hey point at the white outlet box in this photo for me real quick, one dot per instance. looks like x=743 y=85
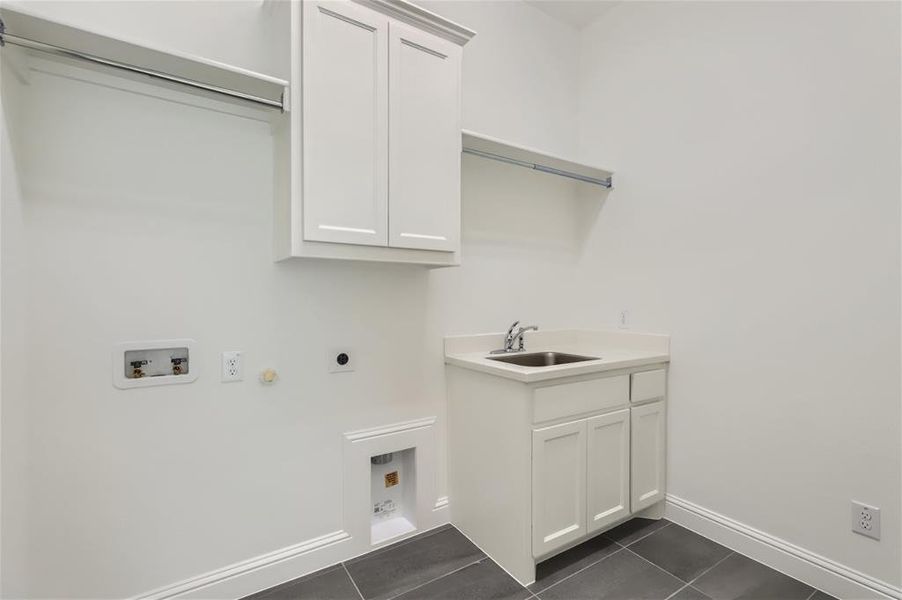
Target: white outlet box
x=231 y=366
x=866 y=520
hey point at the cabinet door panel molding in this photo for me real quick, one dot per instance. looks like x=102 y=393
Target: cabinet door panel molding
x=647 y=455
x=559 y=486
x=368 y=154
x=608 y=468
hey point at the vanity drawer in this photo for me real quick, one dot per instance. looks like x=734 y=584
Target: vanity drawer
x=648 y=385
x=579 y=397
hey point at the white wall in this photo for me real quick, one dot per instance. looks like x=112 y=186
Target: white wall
x=756 y=219
x=520 y=75
x=130 y=490
x=245 y=33
x=13 y=407
x=756 y=209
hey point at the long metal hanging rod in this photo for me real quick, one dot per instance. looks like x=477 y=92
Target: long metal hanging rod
x=605 y=183
x=8 y=38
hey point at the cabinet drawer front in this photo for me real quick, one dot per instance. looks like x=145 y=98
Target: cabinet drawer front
x=648 y=385
x=580 y=397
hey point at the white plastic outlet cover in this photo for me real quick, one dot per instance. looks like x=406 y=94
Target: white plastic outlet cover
x=866 y=519
x=121 y=381
x=232 y=366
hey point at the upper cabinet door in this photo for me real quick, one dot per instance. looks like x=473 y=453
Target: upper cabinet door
x=608 y=479
x=558 y=486
x=345 y=123
x=424 y=142
x=648 y=454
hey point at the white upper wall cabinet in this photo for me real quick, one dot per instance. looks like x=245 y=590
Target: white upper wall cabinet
x=345 y=88
x=368 y=157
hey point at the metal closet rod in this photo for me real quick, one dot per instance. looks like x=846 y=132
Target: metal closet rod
x=8 y=38
x=605 y=183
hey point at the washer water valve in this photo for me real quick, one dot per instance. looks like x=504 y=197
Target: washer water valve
x=153 y=362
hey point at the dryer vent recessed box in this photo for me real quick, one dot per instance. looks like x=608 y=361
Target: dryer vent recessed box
x=156 y=362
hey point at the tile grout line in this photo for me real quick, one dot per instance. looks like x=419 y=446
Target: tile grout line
x=676 y=592
x=705 y=572
x=613 y=541
x=657 y=567
x=616 y=543
x=694 y=579
x=414 y=538
x=434 y=579
x=575 y=573
x=777 y=571
x=354 y=583
x=665 y=526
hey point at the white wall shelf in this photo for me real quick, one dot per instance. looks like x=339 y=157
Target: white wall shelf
x=479 y=144
x=22 y=28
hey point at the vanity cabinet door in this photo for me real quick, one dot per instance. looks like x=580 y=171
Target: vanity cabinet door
x=558 y=486
x=648 y=426
x=608 y=461
x=345 y=124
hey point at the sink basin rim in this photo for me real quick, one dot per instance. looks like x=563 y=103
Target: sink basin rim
x=541 y=359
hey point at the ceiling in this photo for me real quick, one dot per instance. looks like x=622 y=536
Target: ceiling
x=577 y=13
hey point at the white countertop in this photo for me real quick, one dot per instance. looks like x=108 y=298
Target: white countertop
x=615 y=349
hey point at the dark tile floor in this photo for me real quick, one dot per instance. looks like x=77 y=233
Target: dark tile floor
x=640 y=559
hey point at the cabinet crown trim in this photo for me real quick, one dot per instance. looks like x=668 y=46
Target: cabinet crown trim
x=422 y=19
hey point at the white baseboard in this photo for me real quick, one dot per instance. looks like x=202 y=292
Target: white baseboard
x=813 y=569
x=258 y=573
x=271 y=569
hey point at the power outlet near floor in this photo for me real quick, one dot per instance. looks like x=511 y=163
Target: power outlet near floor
x=866 y=520
x=231 y=366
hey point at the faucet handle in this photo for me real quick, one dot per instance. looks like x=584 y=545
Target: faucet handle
x=510 y=331
x=520 y=333
x=509 y=338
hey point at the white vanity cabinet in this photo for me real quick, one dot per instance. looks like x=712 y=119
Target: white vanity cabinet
x=535 y=468
x=368 y=157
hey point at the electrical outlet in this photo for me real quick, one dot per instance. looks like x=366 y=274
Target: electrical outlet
x=866 y=520
x=231 y=366
x=624 y=321
x=341 y=360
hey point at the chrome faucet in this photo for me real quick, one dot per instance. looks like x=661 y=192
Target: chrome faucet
x=520 y=333
x=512 y=337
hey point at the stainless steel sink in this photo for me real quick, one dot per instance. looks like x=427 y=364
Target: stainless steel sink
x=541 y=359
